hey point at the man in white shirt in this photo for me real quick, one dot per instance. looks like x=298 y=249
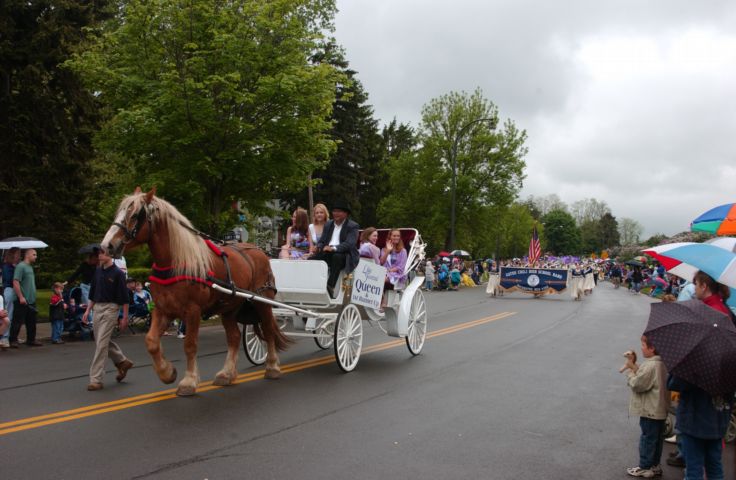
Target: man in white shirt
x=338 y=245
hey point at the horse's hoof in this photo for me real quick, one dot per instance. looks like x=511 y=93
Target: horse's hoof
x=272 y=374
x=172 y=378
x=186 y=390
x=222 y=380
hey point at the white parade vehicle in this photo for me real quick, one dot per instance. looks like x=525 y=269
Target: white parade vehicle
x=304 y=308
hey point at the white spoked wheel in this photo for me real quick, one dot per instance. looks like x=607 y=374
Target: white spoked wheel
x=348 y=338
x=255 y=348
x=417 y=323
x=325 y=334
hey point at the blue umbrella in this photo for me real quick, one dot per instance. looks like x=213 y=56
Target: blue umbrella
x=715 y=261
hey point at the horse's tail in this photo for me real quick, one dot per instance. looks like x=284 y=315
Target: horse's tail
x=268 y=328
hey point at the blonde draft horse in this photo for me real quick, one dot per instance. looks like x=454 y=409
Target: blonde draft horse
x=143 y=218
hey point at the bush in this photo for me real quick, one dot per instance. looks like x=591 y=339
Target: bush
x=139 y=273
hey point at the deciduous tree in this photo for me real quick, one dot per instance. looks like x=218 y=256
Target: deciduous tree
x=489 y=161
x=215 y=101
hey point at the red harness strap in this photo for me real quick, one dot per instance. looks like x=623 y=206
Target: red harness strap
x=165 y=276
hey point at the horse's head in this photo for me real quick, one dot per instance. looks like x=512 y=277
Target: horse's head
x=132 y=221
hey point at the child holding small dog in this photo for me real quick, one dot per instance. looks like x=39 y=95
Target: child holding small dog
x=650 y=401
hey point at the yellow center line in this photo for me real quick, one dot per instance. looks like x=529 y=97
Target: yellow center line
x=168 y=394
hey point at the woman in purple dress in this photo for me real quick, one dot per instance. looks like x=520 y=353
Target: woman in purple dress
x=393 y=257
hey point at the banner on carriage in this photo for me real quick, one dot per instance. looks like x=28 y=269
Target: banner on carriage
x=368 y=279
x=534 y=280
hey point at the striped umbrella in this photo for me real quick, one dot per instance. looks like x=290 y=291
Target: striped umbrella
x=715 y=261
x=718 y=221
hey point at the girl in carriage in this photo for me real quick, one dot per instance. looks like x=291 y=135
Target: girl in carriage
x=368 y=248
x=297 y=236
x=393 y=257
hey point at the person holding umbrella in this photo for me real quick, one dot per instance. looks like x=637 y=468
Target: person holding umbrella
x=697 y=341
x=711 y=292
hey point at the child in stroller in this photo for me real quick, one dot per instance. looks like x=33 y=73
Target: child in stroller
x=73 y=315
x=443 y=277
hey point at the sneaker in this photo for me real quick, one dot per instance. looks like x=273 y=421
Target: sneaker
x=657 y=469
x=94 y=386
x=58 y=342
x=180 y=335
x=14 y=345
x=672 y=439
x=640 y=472
x=35 y=344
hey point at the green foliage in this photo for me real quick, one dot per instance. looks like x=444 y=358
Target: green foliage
x=489 y=169
x=354 y=170
x=47 y=119
x=214 y=101
x=655 y=240
x=561 y=233
x=608 y=231
x=515 y=230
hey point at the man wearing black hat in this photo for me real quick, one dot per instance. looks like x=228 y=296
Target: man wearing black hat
x=338 y=245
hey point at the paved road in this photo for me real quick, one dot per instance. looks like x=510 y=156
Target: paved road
x=513 y=387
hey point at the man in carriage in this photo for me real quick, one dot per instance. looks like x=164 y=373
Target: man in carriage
x=338 y=245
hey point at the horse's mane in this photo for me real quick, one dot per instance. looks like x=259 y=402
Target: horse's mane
x=189 y=254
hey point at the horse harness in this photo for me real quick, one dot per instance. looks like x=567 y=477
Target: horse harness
x=165 y=275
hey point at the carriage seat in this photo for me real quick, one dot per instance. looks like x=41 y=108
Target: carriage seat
x=301 y=282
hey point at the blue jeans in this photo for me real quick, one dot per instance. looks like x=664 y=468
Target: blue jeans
x=8 y=298
x=57 y=326
x=428 y=284
x=702 y=454
x=650 y=442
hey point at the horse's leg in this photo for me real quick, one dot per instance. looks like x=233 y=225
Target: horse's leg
x=163 y=368
x=270 y=330
x=273 y=371
x=188 y=384
x=229 y=371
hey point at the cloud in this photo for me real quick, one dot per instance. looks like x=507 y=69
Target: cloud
x=629 y=102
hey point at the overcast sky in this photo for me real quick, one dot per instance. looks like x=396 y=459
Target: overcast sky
x=629 y=102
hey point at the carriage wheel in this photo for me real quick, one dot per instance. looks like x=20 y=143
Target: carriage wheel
x=417 y=323
x=348 y=338
x=255 y=348
x=325 y=334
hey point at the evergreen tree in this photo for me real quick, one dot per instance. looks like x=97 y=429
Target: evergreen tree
x=47 y=119
x=563 y=236
x=353 y=172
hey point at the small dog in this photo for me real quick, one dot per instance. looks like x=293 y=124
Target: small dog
x=630 y=355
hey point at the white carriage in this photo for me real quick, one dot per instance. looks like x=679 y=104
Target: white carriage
x=304 y=308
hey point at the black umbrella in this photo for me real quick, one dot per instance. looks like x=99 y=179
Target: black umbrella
x=634 y=263
x=90 y=248
x=696 y=342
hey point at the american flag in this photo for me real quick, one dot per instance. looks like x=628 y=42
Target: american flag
x=535 y=249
